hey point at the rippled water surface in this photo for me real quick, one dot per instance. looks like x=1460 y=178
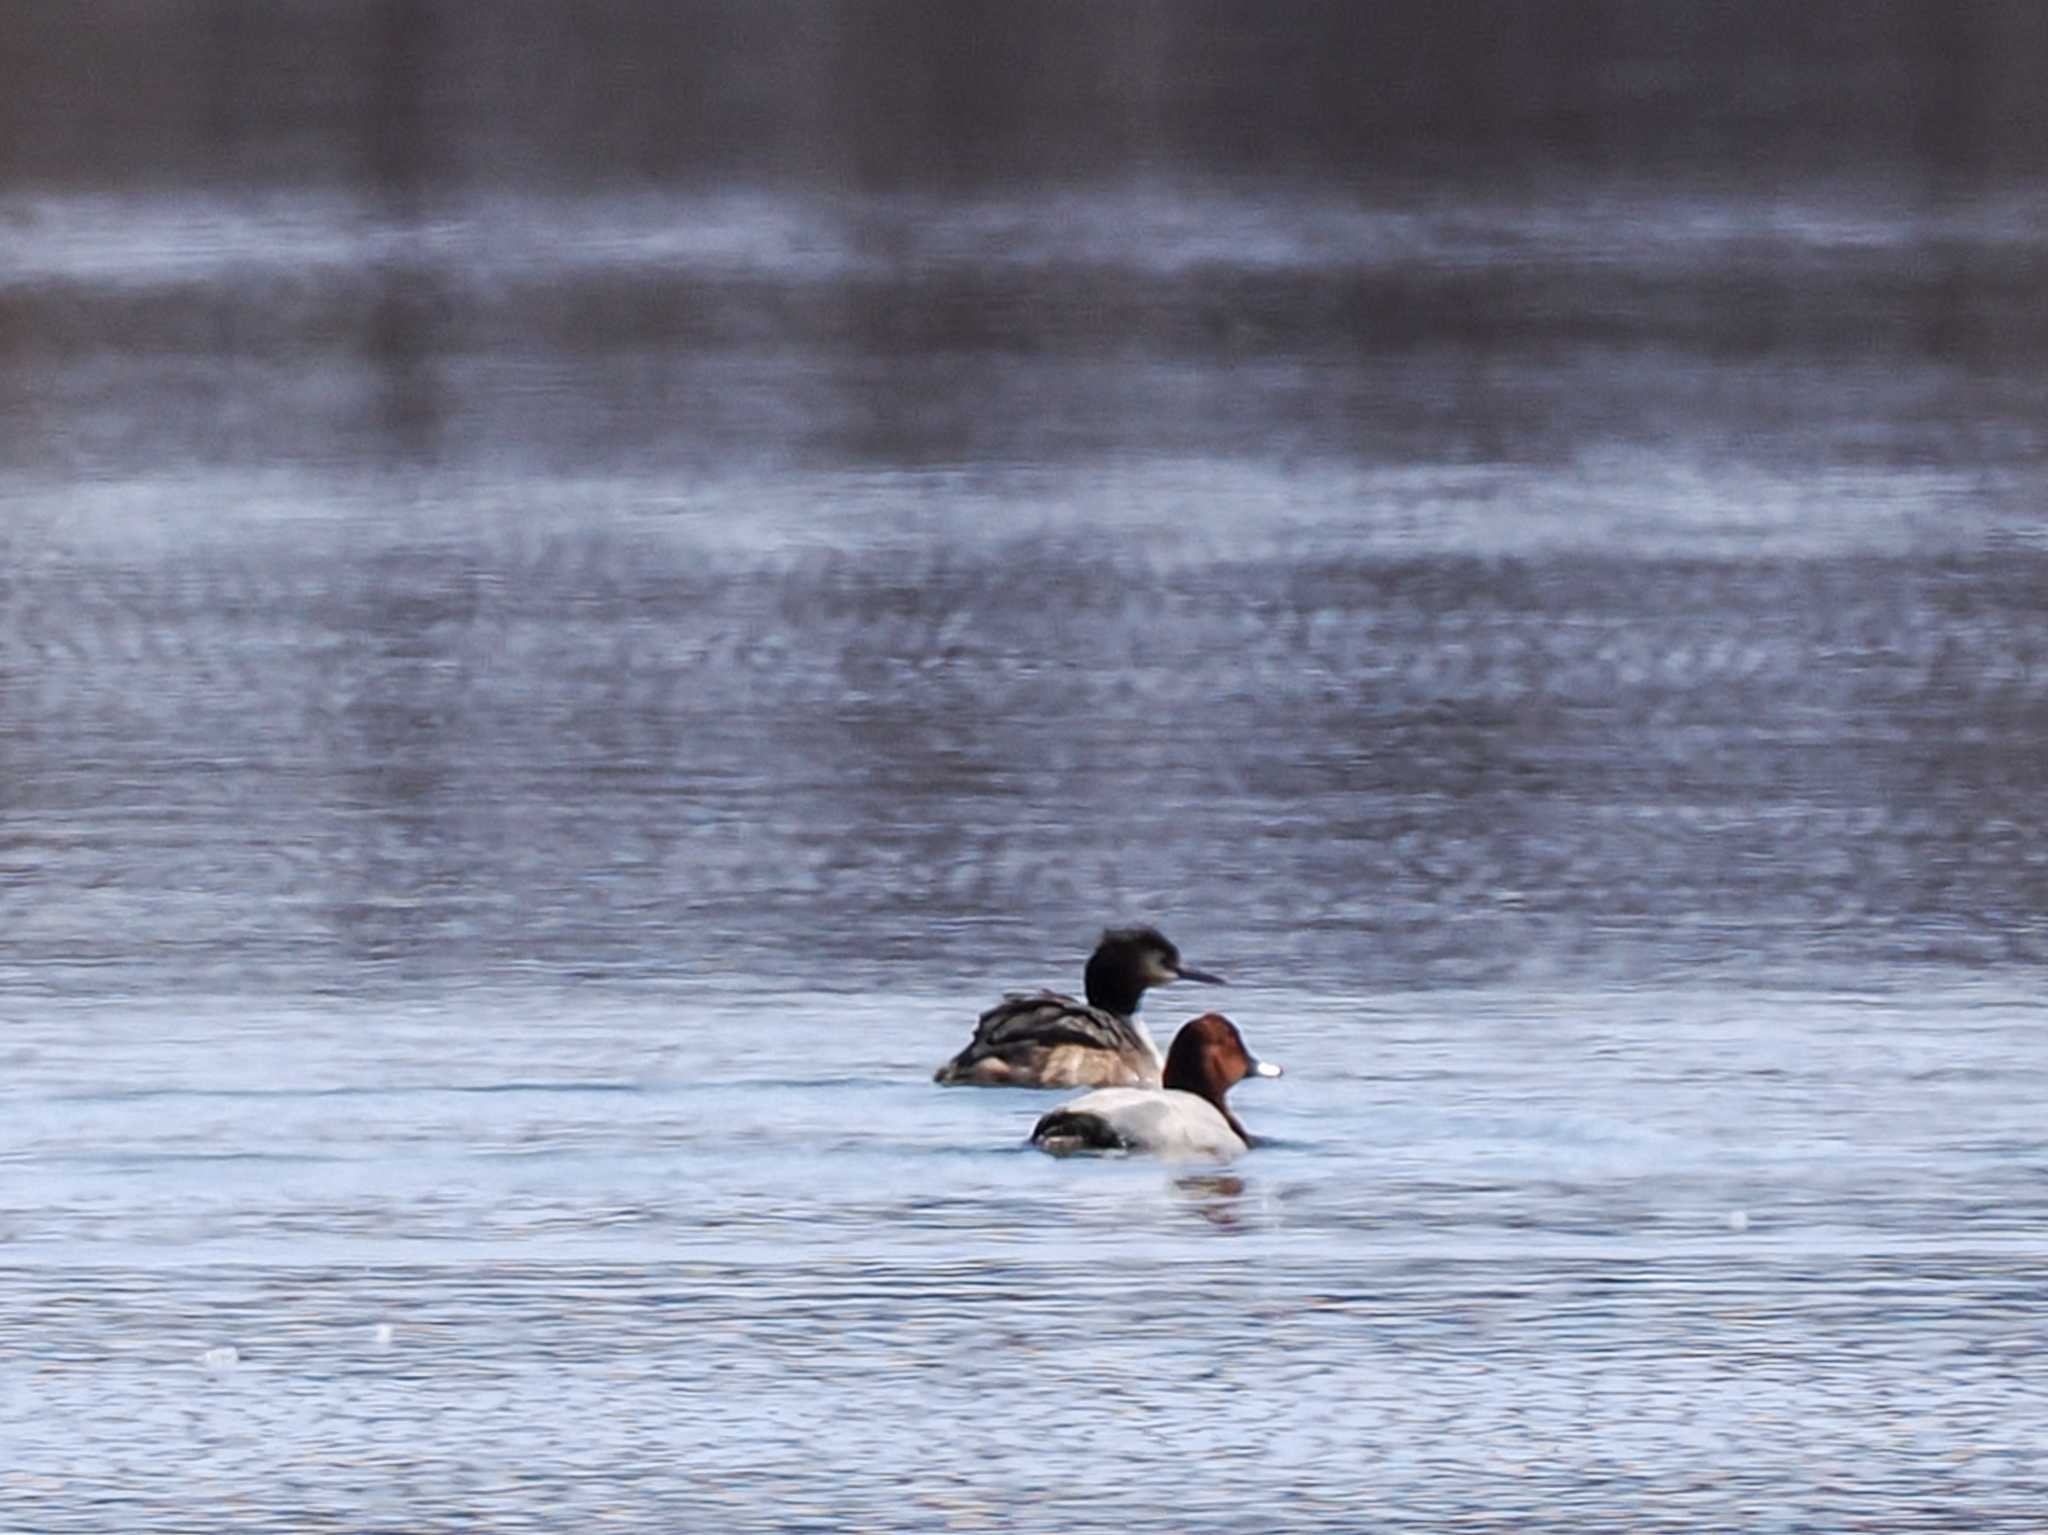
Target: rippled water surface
x=531 y=720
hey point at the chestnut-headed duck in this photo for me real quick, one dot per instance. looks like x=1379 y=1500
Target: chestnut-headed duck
x=1186 y=1118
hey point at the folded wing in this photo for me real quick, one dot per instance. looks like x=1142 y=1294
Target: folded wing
x=1046 y=1039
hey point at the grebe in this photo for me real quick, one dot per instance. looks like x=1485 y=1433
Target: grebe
x=1045 y=1039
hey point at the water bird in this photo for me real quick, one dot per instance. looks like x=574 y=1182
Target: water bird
x=1185 y=1118
x=1047 y=1039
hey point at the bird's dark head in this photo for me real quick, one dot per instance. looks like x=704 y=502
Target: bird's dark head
x=1129 y=959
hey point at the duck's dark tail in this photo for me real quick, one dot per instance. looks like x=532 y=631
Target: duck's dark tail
x=1064 y=1132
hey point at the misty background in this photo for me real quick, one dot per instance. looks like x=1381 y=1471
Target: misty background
x=1072 y=415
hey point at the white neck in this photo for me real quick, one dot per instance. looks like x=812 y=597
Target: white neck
x=1145 y=1035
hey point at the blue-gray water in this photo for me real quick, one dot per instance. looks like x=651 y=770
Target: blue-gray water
x=531 y=718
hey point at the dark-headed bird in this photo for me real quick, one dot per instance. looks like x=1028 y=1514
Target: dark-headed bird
x=1046 y=1039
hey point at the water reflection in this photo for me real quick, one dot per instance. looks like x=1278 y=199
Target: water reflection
x=401 y=154
x=1219 y=1198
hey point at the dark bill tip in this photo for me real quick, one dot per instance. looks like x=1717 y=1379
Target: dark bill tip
x=1190 y=973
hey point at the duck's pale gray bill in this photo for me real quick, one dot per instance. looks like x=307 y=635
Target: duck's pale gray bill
x=1190 y=973
x=1266 y=1069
